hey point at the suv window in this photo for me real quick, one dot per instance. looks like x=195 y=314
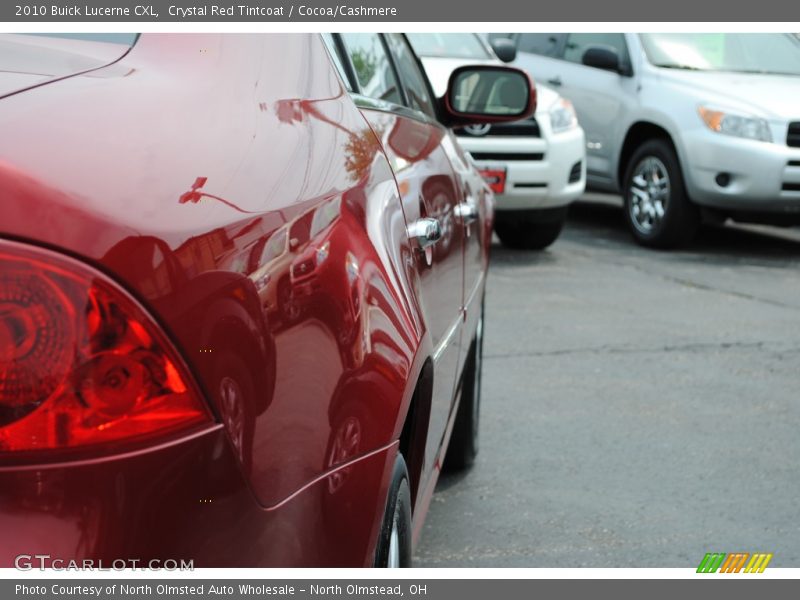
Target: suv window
x=325 y=215
x=372 y=67
x=413 y=80
x=275 y=246
x=546 y=44
x=577 y=43
x=300 y=230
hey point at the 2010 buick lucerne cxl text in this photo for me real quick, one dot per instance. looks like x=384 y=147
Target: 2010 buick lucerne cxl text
x=241 y=294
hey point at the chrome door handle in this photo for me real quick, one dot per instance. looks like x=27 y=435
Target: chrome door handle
x=555 y=81
x=467 y=212
x=425 y=232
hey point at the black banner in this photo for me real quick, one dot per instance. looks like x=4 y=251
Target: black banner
x=478 y=11
x=730 y=588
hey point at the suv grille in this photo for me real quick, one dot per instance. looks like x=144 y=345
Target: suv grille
x=793 y=138
x=527 y=127
x=508 y=155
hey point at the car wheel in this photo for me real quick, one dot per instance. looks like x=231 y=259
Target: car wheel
x=657 y=208
x=394 y=543
x=463 y=446
x=234 y=390
x=528 y=235
x=288 y=306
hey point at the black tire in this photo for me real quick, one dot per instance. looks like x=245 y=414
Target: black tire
x=463 y=447
x=397 y=517
x=671 y=219
x=528 y=235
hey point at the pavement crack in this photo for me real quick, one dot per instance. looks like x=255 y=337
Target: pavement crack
x=709 y=288
x=690 y=347
x=688 y=282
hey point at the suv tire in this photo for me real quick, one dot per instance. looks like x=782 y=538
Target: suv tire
x=527 y=234
x=658 y=211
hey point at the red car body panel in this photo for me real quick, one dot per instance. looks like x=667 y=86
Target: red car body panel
x=171 y=170
x=27 y=61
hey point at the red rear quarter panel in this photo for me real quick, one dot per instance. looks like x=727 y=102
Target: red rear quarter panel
x=170 y=170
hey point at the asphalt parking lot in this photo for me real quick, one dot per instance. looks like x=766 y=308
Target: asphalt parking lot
x=640 y=408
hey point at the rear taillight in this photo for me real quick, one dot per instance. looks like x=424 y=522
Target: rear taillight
x=80 y=362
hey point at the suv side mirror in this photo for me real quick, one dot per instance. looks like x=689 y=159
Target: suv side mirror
x=602 y=57
x=505 y=49
x=487 y=94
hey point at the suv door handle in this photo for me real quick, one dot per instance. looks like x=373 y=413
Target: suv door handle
x=425 y=232
x=555 y=81
x=467 y=212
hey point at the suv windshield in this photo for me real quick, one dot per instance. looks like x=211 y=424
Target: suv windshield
x=773 y=53
x=448 y=45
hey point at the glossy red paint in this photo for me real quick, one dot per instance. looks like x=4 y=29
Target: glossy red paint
x=27 y=61
x=259 y=218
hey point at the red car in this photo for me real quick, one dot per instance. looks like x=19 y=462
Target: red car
x=241 y=291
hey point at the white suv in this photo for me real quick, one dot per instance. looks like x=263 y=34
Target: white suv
x=683 y=125
x=536 y=167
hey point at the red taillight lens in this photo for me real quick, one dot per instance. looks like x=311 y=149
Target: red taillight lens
x=80 y=362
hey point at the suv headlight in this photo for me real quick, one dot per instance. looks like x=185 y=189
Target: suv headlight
x=751 y=128
x=562 y=116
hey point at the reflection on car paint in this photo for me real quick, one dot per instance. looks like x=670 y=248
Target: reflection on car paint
x=227 y=279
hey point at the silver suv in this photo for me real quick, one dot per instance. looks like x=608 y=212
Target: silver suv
x=684 y=125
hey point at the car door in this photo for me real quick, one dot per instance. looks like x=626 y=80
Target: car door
x=601 y=98
x=470 y=187
x=402 y=118
x=539 y=54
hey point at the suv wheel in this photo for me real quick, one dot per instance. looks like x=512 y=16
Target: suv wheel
x=526 y=234
x=657 y=208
